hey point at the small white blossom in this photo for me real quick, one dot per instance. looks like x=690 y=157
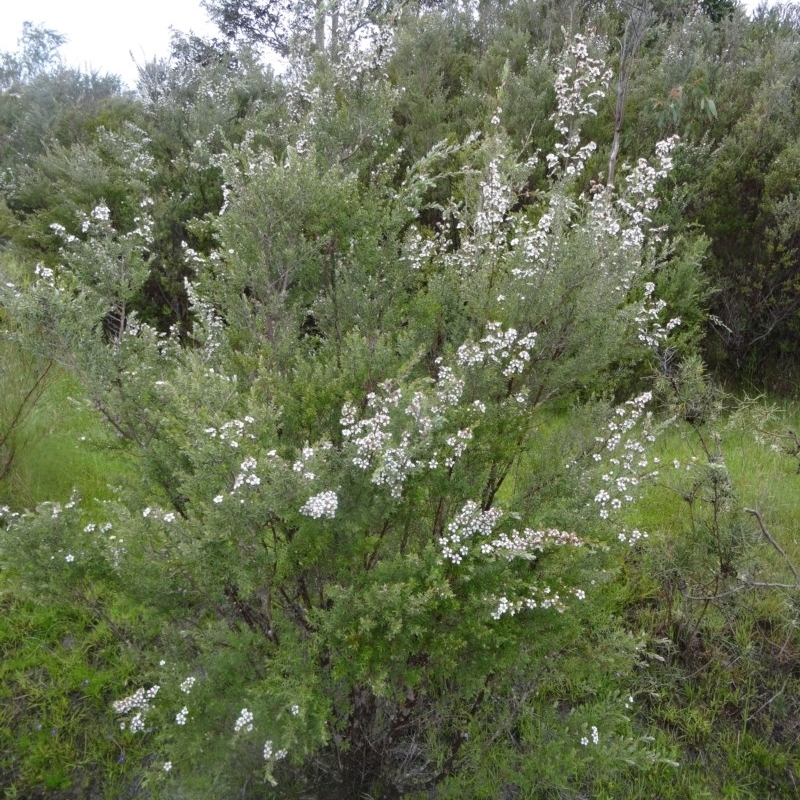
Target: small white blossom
x=244 y=722
x=322 y=505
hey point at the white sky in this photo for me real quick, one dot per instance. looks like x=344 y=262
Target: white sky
x=102 y=34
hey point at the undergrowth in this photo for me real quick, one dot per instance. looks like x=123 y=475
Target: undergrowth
x=717 y=684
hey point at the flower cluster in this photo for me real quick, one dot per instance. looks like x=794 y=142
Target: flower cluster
x=321 y=506
x=208 y=325
x=543 y=598
x=631 y=537
x=625 y=452
x=246 y=474
x=458 y=445
x=496 y=200
x=371 y=434
x=44 y=274
x=271 y=754
x=304 y=465
x=60 y=231
x=471 y=520
x=159 y=513
x=397 y=455
x=650 y=331
x=244 y=722
x=537 y=244
x=504 y=347
x=529 y=542
x=595 y=737
x=580 y=82
x=141 y=701
x=418 y=250
x=232 y=431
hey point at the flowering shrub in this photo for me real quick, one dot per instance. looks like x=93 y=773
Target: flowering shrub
x=328 y=520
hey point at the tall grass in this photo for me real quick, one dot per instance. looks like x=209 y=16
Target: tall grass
x=722 y=686
x=52 y=443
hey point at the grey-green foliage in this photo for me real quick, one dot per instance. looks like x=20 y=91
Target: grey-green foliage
x=37 y=53
x=42 y=101
x=329 y=521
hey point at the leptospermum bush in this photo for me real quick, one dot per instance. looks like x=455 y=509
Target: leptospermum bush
x=358 y=575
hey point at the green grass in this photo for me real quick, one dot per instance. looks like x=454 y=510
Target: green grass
x=59 y=444
x=61 y=661
x=724 y=691
x=61 y=668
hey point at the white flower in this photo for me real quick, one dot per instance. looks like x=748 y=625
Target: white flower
x=295 y=710
x=181 y=716
x=245 y=721
x=321 y=505
x=167 y=766
x=69 y=558
x=187 y=685
x=101 y=212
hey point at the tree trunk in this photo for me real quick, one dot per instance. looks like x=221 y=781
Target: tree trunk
x=634 y=32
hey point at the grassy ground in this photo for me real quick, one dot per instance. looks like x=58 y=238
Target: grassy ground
x=724 y=690
x=60 y=666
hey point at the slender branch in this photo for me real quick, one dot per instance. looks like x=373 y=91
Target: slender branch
x=757 y=514
x=26 y=404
